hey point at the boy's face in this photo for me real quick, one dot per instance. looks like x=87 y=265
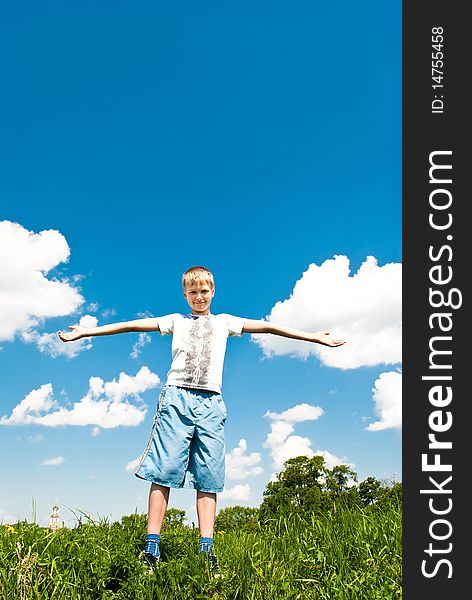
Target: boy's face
x=199 y=296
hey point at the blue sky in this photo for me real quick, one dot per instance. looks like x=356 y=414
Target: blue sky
x=256 y=139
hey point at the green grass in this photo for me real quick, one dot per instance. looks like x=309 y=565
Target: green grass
x=354 y=554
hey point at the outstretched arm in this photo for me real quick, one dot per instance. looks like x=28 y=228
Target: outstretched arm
x=77 y=331
x=320 y=337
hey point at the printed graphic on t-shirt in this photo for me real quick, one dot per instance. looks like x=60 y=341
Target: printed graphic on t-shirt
x=197 y=360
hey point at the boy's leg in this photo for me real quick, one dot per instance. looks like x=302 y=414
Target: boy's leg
x=157 y=506
x=206 y=511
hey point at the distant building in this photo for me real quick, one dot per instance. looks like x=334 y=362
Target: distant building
x=54 y=522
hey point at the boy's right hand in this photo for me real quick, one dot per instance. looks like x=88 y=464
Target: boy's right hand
x=76 y=333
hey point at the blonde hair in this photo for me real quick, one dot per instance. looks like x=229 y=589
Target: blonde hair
x=195 y=274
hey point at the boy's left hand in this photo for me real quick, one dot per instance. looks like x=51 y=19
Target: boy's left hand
x=323 y=337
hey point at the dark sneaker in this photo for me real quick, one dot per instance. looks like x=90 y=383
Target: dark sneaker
x=150 y=561
x=213 y=562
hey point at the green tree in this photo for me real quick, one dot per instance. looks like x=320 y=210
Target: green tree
x=297 y=488
x=369 y=490
x=134 y=521
x=174 y=519
x=307 y=485
x=390 y=495
x=338 y=485
x=237 y=517
x=339 y=478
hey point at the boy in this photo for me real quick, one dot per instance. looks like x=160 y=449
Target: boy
x=186 y=447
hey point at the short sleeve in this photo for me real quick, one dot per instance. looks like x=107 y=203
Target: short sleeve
x=235 y=325
x=166 y=324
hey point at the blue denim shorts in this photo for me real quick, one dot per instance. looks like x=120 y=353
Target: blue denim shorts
x=187 y=447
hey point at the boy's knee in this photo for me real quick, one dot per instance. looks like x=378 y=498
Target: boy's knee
x=162 y=488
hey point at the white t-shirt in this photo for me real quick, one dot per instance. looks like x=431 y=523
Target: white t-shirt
x=198 y=348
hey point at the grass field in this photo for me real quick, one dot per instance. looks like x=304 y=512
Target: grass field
x=353 y=554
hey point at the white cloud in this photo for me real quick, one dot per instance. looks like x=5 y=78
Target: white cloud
x=332 y=460
x=33 y=439
x=50 y=344
x=387 y=396
x=143 y=339
x=87 y=321
x=363 y=309
x=95 y=387
x=105 y=404
x=53 y=462
x=30 y=408
x=280 y=442
x=291 y=447
x=283 y=445
x=238 y=493
x=240 y=465
x=27 y=296
x=133 y=465
x=297 y=414
x=7 y=517
x=128 y=385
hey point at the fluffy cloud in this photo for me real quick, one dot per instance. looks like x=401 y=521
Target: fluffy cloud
x=331 y=460
x=283 y=445
x=49 y=343
x=387 y=396
x=240 y=465
x=7 y=517
x=53 y=462
x=133 y=465
x=296 y=414
x=293 y=446
x=143 y=339
x=238 y=492
x=30 y=408
x=27 y=295
x=280 y=442
x=364 y=309
x=105 y=405
x=128 y=385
